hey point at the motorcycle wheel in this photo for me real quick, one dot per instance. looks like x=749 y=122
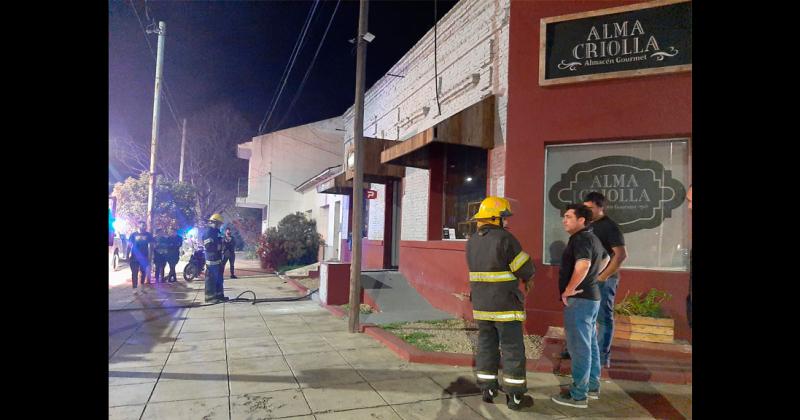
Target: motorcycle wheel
x=190 y=272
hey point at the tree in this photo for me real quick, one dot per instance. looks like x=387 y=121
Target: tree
x=210 y=166
x=174 y=203
x=295 y=241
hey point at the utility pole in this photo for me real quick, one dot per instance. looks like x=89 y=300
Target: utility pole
x=358 y=176
x=183 y=148
x=162 y=28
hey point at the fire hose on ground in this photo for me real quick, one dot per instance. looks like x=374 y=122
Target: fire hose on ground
x=237 y=299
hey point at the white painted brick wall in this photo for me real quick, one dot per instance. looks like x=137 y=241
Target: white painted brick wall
x=414 y=217
x=472 y=63
x=377 y=208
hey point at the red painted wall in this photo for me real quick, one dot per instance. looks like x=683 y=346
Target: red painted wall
x=372 y=254
x=631 y=108
x=438 y=269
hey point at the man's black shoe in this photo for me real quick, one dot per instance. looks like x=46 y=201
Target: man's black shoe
x=234 y=277
x=488 y=395
x=517 y=402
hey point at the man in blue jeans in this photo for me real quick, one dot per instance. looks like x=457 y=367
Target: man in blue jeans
x=583 y=259
x=610 y=236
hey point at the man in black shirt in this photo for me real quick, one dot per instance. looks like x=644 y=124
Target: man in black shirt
x=173 y=254
x=160 y=254
x=228 y=251
x=138 y=252
x=613 y=242
x=583 y=259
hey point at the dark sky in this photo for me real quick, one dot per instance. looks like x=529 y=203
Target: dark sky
x=236 y=51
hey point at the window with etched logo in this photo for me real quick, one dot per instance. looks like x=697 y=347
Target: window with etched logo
x=644 y=183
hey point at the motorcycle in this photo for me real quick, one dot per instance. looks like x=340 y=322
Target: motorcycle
x=194 y=268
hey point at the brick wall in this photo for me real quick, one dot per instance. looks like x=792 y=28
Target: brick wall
x=472 y=61
x=414 y=214
x=377 y=207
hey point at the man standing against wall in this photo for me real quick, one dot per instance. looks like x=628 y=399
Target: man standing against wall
x=611 y=237
x=583 y=259
x=496 y=263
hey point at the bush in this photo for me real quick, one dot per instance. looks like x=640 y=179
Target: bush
x=294 y=242
x=270 y=250
x=649 y=306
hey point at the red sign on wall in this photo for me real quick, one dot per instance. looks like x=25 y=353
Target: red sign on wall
x=371 y=194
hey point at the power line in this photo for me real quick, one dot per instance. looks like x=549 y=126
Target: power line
x=153 y=54
x=311 y=66
x=287 y=71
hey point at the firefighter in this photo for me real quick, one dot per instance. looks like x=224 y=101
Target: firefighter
x=496 y=261
x=212 y=243
x=228 y=252
x=161 y=250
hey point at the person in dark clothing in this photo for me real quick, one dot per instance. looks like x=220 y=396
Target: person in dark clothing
x=583 y=260
x=228 y=252
x=173 y=254
x=160 y=254
x=138 y=252
x=689 y=297
x=611 y=237
x=212 y=244
x=496 y=263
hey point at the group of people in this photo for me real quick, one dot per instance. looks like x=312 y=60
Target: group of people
x=588 y=280
x=166 y=250
x=218 y=250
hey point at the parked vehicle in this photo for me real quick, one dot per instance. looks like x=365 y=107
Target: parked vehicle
x=196 y=265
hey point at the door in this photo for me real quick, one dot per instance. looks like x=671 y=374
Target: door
x=337 y=227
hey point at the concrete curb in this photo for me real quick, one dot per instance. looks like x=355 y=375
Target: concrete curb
x=548 y=363
x=302 y=289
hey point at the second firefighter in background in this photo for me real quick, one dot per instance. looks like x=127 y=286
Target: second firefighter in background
x=496 y=263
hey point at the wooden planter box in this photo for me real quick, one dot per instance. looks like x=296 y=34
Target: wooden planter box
x=641 y=328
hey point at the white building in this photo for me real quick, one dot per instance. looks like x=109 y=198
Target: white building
x=284 y=168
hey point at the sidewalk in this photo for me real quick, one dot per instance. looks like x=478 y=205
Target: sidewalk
x=296 y=360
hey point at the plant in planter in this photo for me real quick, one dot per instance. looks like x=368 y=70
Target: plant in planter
x=641 y=318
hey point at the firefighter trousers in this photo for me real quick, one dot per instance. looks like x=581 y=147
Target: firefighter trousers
x=492 y=337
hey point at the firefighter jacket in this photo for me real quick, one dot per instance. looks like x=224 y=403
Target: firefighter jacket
x=212 y=243
x=495 y=260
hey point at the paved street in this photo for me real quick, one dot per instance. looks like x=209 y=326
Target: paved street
x=296 y=360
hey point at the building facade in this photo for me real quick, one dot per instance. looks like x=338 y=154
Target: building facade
x=541 y=102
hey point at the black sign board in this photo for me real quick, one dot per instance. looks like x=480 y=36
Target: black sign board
x=636 y=40
x=640 y=194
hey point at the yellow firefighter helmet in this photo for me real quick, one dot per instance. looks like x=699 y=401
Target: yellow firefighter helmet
x=216 y=217
x=493 y=208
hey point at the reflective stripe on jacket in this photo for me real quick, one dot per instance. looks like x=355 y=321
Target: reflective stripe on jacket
x=496 y=261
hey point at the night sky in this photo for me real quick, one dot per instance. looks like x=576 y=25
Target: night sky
x=236 y=52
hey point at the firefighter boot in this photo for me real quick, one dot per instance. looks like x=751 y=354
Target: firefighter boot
x=518 y=401
x=488 y=395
